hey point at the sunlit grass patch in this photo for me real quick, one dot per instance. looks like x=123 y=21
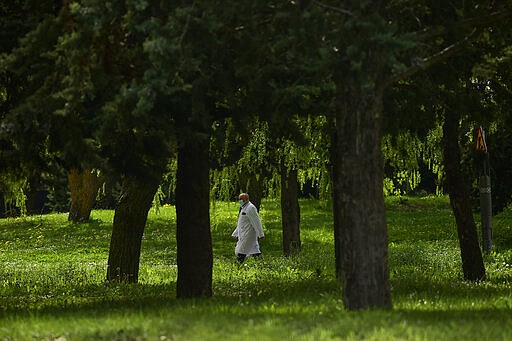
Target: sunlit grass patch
x=52 y=281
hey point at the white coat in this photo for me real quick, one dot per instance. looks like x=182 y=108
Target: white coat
x=248 y=230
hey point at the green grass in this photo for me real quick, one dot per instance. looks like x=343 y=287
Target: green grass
x=52 y=282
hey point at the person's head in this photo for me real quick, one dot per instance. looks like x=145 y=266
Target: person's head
x=243 y=198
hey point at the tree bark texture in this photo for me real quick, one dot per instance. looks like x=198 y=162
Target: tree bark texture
x=130 y=219
x=194 y=243
x=358 y=201
x=458 y=190
x=290 y=211
x=83 y=186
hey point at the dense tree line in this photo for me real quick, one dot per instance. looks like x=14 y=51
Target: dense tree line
x=113 y=92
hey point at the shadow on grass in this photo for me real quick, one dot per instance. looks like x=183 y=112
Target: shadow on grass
x=255 y=299
x=298 y=296
x=293 y=310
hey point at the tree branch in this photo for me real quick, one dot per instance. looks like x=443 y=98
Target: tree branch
x=423 y=63
x=332 y=8
x=185 y=29
x=476 y=23
x=487 y=20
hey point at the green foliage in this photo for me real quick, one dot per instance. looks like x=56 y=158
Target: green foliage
x=407 y=177
x=223 y=183
x=255 y=154
x=108 y=81
x=404 y=154
x=158 y=199
x=52 y=281
x=25 y=64
x=14 y=191
x=313 y=155
x=499 y=145
x=262 y=153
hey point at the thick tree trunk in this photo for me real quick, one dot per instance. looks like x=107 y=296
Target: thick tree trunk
x=290 y=211
x=83 y=186
x=129 y=222
x=472 y=260
x=194 y=243
x=359 y=218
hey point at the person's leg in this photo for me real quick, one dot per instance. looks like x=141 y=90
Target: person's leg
x=256 y=256
x=240 y=257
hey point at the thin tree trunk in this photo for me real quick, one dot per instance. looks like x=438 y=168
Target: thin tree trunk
x=129 y=222
x=335 y=212
x=83 y=186
x=194 y=243
x=359 y=218
x=471 y=255
x=290 y=211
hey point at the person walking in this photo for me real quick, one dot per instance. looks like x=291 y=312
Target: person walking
x=248 y=230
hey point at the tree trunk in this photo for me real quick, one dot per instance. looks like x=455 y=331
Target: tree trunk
x=37 y=197
x=83 y=186
x=129 y=222
x=290 y=211
x=194 y=243
x=472 y=261
x=358 y=201
x=333 y=158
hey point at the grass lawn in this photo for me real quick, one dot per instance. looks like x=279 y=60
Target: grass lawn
x=52 y=282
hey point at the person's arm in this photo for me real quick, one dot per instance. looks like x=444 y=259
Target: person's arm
x=256 y=222
x=234 y=235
